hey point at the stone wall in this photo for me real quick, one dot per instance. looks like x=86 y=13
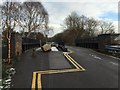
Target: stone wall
x=16 y=44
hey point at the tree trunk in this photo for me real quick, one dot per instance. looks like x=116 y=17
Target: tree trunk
x=9 y=61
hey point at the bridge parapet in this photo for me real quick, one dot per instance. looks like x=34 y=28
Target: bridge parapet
x=98 y=42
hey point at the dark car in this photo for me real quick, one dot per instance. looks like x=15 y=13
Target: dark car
x=61 y=46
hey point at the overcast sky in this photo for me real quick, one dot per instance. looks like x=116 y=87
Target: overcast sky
x=58 y=10
x=102 y=9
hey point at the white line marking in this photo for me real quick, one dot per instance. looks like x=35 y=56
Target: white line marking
x=116 y=64
x=106 y=55
x=95 y=56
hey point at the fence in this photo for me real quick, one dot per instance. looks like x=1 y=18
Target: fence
x=18 y=45
x=98 y=42
x=28 y=43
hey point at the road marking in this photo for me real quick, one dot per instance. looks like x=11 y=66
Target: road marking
x=75 y=62
x=106 y=55
x=95 y=56
x=34 y=81
x=71 y=61
x=39 y=82
x=70 y=51
x=114 y=63
x=78 y=67
x=58 y=71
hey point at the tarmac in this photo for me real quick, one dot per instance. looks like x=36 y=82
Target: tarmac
x=41 y=61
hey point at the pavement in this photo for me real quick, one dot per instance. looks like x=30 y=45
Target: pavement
x=83 y=68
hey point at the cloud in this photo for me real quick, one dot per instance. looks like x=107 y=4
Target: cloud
x=59 y=10
x=81 y=1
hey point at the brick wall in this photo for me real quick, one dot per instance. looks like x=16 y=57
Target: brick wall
x=18 y=44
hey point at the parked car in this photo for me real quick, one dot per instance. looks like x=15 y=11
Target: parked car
x=61 y=47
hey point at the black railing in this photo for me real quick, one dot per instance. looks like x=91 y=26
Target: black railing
x=99 y=42
x=28 y=43
x=113 y=48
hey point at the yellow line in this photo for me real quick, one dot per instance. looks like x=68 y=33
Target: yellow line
x=71 y=61
x=58 y=71
x=39 y=82
x=34 y=81
x=70 y=51
x=75 y=62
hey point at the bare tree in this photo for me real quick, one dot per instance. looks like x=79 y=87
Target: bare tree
x=91 y=26
x=83 y=27
x=106 y=27
x=48 y=31
x=9 y=11
x=33 y=17
x=73 y=22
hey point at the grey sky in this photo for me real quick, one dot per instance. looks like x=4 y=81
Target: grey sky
x=101 y=10
x=98 y=9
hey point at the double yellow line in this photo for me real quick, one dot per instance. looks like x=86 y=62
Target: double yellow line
x=34 y=81
x=39 y=84
x=77 y=66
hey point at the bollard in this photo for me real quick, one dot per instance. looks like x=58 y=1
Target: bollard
x=33 y=52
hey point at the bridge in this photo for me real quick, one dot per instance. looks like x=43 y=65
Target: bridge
x=99 y=42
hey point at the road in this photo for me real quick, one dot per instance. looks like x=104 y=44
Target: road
x=98 y=70
x=101 y=70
